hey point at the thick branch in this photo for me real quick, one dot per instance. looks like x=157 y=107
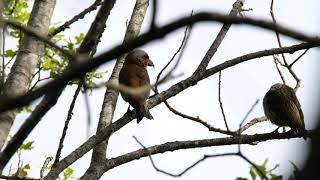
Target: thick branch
x=111 y=95
x=178 y=145
x=26 y=62
x=237 y=6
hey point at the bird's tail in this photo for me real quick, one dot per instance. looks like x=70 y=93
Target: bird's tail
x=143 y=111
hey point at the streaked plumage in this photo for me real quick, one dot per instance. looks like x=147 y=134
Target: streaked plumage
x=134 y=74
x=282 y=108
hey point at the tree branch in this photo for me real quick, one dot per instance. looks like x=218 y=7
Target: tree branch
x=220 y=102
x=66 y=124
x=178 y=145
x=172 y=91
x=111 y=94
x=51 y=97
x=79 y=69
x=30 y=50
x=236 y=8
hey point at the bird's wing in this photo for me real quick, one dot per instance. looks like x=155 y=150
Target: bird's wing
x=296 y=102
x=295 y=105
x=294 y=115
x=143 y=77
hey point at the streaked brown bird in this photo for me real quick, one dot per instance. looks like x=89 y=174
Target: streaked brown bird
x=134 y=74
x=282 y=108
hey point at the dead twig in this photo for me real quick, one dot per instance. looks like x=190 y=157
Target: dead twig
x=220 y=102
x=81 y=15
x=276 y=60
x=198 y=120
x=66 y=125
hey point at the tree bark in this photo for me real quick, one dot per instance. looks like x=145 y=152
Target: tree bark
x=111 y=95
x=28 y=57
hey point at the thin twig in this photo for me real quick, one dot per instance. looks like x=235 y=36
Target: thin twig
x=81 y=15
x=240 y=141
x=276 y=60
x=180 y=49
x=298 y=80
x=66 y=124
x=153 y=25
x=3 y=67
x=302 y=54
x=220 y=102
x=10 y=60
x=39 y=76
x=88 y=108
x=236 y=8
x=249 y=112
x=254 y=165
x=45 y=166
x=197 y=119
x=251 y=123
x=277 y=33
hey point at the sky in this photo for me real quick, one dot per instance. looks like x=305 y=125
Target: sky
x=241 y=86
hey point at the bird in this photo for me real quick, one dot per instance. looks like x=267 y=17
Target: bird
x=134 y=74
x=281 y=106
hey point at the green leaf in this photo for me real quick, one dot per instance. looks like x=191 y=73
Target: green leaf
x=49 y=63
x=28 y=109
x=67 y=173
x=253 y=173
x=265 y=163
x=241 y=178
x=79 y=38
x=19 y=109
x=27 y=146
x=10 y=53
x=275 y=177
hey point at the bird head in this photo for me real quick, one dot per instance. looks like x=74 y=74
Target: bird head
x=139 y=58
x=276 y=86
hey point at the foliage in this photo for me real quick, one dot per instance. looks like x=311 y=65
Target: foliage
x=52 y=63
x=66 y=174
x=254 y=173
x=27 y=146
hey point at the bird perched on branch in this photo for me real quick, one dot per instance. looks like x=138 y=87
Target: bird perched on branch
x=134 y=74
x=282 y=108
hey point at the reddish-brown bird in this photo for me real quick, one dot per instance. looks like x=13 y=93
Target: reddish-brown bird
x=134 y=74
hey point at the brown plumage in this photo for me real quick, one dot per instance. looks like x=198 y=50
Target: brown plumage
x=282 y=108
x=134 y=74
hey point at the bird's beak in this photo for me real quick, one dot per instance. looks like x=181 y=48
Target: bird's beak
x=150 y=63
